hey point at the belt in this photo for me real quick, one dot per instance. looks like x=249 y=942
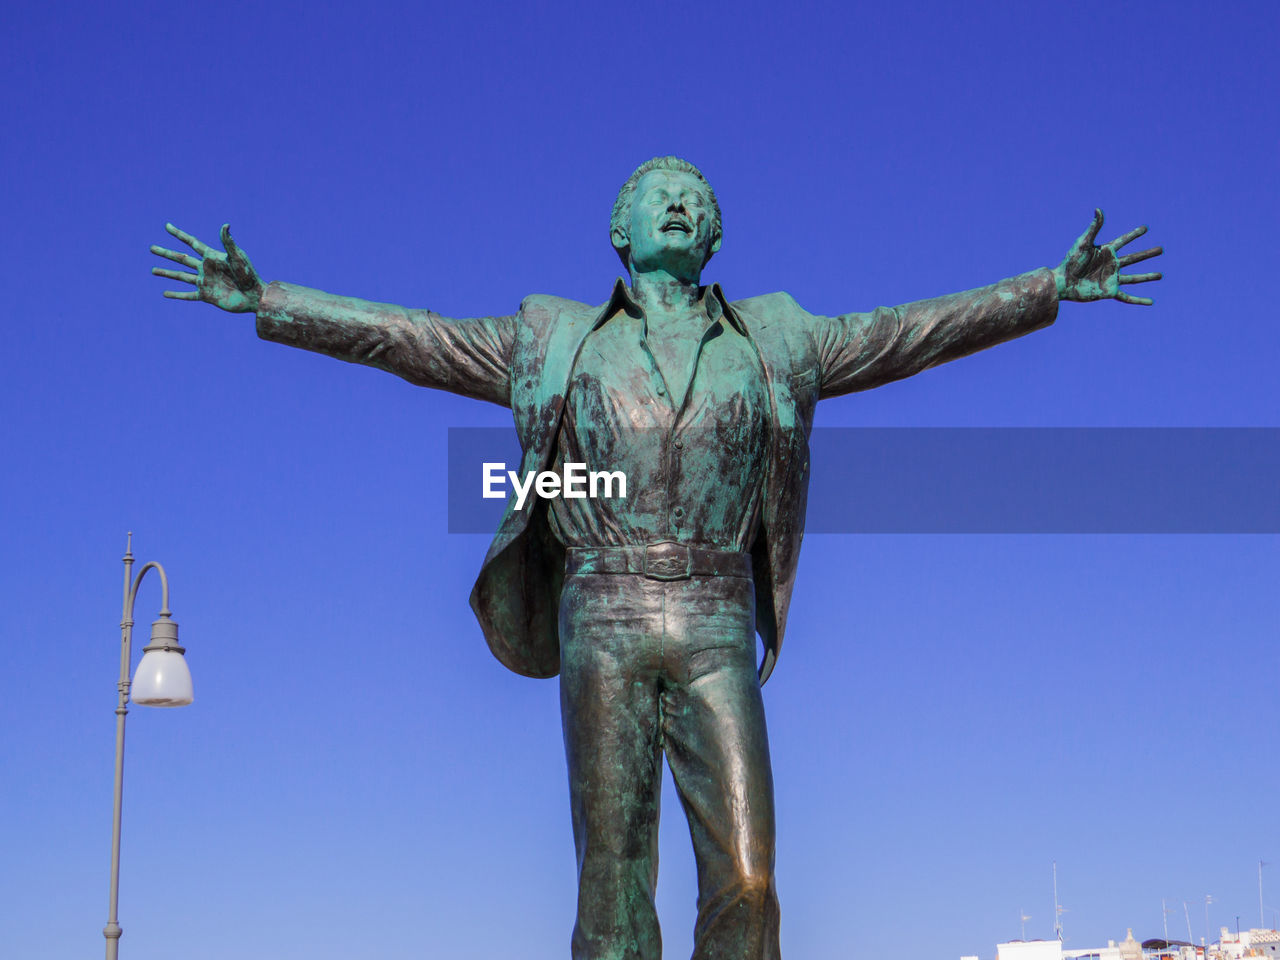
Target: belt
x=664 y=560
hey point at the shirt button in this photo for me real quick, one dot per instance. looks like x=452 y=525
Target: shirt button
x=662 y=391
x=678 y=512
x=679 y=444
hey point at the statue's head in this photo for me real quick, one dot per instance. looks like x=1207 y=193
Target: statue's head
x=666 y=216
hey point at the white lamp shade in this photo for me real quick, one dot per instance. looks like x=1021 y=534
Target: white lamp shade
x=162 y=680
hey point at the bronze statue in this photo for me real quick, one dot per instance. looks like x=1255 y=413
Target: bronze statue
x=647 y=607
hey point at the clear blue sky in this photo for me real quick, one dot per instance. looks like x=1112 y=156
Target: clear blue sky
x=358 y=777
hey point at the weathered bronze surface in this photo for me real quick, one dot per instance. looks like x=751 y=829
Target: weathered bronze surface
x=647 y=607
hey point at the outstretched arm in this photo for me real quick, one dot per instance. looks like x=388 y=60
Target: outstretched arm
x=858 y=351
x=471 y=357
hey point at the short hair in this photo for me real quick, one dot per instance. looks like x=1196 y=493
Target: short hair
x=622 y=205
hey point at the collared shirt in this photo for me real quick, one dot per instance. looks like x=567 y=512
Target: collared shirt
x=694 y=465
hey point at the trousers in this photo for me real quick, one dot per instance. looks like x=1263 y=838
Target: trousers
x=651 y=667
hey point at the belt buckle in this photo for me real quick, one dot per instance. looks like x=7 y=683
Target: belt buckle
x=667 y=560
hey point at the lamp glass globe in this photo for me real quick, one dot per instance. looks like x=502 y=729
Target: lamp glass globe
x=162 y=680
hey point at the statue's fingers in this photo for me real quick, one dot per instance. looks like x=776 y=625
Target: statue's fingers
x=1131 y=258
x=201 y=248
x=241 y=269
x=182 y=294
x=1091 y=234
x=1138 y=277
x=1141 y=301
x=191 y=278
x=1132 y=235
x=183 y=258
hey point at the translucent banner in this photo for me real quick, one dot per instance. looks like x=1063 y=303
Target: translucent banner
x=966 y=480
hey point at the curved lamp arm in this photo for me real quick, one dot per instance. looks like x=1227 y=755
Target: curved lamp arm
x=167 y=682
x=164 y=589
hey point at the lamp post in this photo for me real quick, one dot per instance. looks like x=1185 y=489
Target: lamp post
x=162 y=680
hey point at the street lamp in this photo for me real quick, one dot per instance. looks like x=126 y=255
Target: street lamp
x=162 y=680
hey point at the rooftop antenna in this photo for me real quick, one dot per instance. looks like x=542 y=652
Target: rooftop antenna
x=1187 y=913
x=1208 y=899
x=1262 y=921
x=1057 y=908
x=1024 y=918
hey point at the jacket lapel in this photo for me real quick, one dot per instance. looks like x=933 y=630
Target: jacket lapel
x=539 y=389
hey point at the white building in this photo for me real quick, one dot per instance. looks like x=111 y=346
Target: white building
x=1265 y=943
x=1249 y=943
x=1029 y=950
x=1126 y=949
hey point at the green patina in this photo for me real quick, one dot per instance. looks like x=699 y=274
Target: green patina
x=648 y=607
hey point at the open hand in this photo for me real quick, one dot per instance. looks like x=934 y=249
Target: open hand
x=227 y=280
x=1093 y=273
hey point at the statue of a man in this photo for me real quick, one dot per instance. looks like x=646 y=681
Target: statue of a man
x=647 y=607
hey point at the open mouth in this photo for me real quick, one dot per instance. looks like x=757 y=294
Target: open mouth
x=673 y=225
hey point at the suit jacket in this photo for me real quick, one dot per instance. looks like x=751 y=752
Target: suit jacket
x=524 y=361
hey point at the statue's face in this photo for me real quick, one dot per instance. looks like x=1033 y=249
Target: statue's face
x=670 y=226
